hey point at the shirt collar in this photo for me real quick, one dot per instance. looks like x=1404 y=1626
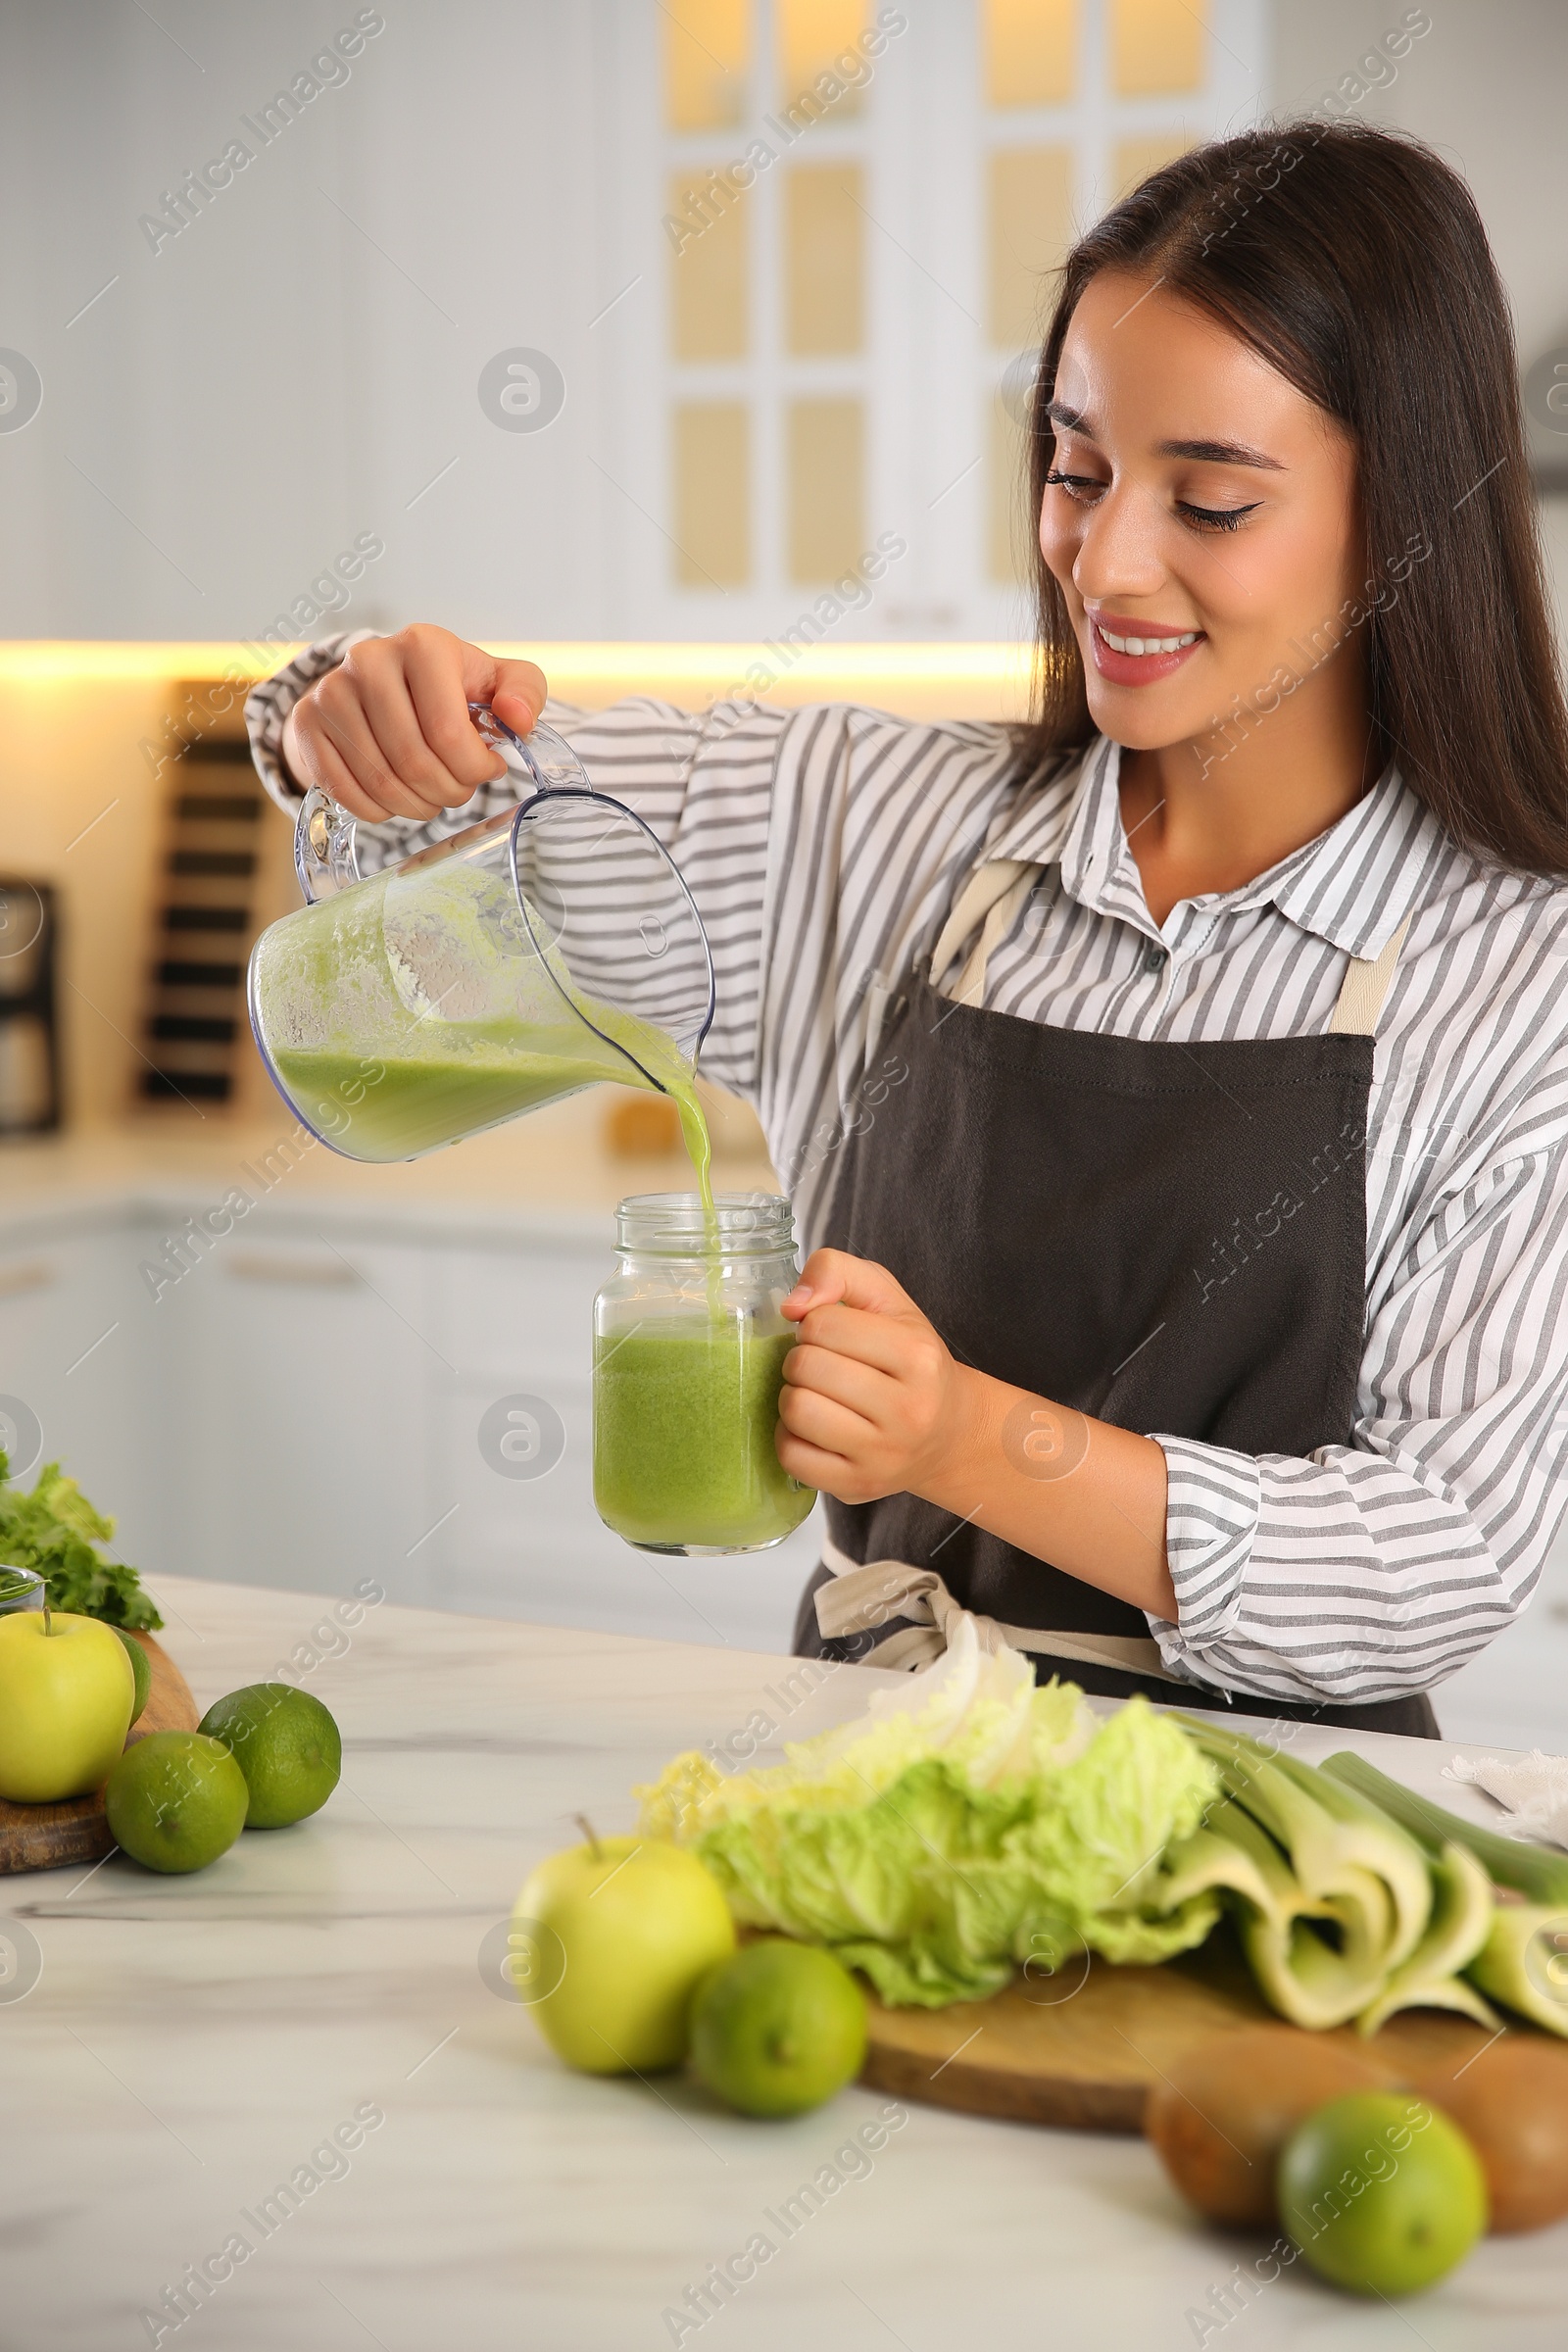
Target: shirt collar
x=1353 y=886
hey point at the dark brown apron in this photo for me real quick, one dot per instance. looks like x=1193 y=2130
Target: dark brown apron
x=1171 y=1238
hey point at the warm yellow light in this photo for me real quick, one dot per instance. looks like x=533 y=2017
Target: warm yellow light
x=692 y=658
x=1157 y=47
x=39 y=659
x=813 y=35
x=707 y=46
x=1030 y=51
x=952 y=679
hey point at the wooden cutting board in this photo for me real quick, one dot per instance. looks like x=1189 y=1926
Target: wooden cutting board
x=43 y=1837
x=1083 y=2048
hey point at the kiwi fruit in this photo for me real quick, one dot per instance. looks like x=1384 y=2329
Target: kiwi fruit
x=1511 y=2103
x=1224 y=2110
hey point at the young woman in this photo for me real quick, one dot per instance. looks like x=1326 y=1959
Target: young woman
x=1177 y=1089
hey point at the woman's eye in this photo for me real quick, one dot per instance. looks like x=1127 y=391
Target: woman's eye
x=1214 y=518
x=1076 y=485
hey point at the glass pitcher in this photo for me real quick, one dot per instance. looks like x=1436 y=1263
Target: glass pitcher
x=534 y=953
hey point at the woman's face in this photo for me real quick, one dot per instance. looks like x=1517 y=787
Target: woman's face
x=1206 y=510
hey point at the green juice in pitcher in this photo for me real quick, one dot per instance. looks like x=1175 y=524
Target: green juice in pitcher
x=415 y=1009
x=399 y=1107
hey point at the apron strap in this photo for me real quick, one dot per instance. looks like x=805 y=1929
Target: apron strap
x=994 y=892
x=861 y=1598
x=1367 y=981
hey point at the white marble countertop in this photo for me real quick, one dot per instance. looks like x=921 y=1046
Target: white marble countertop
x=190 y=2043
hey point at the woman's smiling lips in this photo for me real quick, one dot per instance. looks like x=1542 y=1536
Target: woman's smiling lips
x=1138 y=653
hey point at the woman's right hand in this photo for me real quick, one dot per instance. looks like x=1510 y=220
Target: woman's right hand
x=387 y=732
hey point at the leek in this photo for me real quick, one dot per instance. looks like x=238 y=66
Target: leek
x=1332 y=1897
x=1460 y=1922
x=1297 y=1972
x=1324 y=1827
x=1524 y=1963
x=1539 y=1875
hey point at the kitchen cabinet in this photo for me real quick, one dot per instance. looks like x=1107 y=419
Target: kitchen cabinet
x=299 y=1422
x=82 y=1353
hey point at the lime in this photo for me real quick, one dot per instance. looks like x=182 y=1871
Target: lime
x=176 y=1800
x=285 y=1744
x=1381 y=2193
x=778 y=2028
x=140 y=1667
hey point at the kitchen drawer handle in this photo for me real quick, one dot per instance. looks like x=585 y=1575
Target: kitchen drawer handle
x=38 y=1275
x=320 y=1274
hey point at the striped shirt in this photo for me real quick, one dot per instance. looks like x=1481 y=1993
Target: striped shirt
x=825 y=846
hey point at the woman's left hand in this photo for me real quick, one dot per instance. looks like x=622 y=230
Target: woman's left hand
x=873 y=1403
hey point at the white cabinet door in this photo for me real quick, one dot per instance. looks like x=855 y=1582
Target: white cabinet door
x=300 y=1426
x=80 y=1359
x=521 y=1535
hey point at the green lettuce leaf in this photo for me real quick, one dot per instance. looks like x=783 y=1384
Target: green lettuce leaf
x=54 y=1530
x=941 y=1847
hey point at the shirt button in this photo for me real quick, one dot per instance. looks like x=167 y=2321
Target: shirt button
x=1154 y=960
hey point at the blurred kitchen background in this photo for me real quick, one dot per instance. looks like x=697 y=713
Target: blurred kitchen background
x=317 y=318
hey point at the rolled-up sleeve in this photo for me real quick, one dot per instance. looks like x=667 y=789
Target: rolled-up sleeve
x=268 y=706
x=1372 y=1570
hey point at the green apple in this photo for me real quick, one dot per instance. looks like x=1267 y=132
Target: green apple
x=608 y=1942
x=66 y=1690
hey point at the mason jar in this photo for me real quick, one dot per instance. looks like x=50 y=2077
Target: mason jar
x=689 y=1349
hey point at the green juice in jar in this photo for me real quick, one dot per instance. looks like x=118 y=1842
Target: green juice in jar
x=686 y=1392
x=684 y=1417
x=690 y=1346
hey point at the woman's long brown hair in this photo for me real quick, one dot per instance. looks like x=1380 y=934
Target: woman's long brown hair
x=1355 y=262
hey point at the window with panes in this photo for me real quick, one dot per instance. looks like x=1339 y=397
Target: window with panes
x=862 y=209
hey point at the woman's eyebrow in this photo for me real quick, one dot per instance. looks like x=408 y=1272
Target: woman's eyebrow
x=1219 y=453
x=1202 y=453
x=1070 y=420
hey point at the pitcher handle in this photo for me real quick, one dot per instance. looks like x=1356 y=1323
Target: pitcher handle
x=542 y=754
x=325 y=859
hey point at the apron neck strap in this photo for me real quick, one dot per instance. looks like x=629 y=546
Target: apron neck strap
x=995 y=891
x=991 y=898
x=1366 y=983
